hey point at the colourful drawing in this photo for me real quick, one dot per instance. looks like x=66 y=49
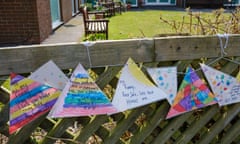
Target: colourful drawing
x=51 y=75
x=225 y=87
x=134 y=89
x=28 y=101
x=193 y=94
x=166 y=80
x=81 y=97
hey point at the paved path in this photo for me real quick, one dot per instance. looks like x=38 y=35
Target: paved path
x=72 y=31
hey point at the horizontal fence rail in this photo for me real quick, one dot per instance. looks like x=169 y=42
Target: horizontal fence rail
x=146 y=124
x=25 y=59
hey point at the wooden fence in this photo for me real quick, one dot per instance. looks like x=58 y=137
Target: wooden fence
x=145 y=124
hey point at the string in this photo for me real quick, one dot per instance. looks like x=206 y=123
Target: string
x=220 y=37
x=226 y=36
x=88 y=44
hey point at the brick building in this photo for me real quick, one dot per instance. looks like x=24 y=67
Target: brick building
x=32 y=21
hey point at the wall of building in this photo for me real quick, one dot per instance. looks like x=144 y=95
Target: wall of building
x=44 y=19
x=66 y=10
x=24 y=21
x=17 y=21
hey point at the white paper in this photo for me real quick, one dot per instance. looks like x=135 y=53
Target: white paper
x=166 y=80
x=225 y=87
x=134 y=89
x=51 y=75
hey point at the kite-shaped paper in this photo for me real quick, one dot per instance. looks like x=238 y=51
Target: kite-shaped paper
x=193 y=94
x=166 y=79
x=51 y=75
x=134 y=89
x=29 y=100
x=81 y=97
x=225 y=87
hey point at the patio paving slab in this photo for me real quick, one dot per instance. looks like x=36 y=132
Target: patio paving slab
x=72 y=31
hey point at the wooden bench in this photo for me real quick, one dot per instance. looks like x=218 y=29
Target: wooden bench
x=94 y=26
x=111 y=7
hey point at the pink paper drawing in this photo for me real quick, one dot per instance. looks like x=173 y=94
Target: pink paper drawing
x=28 y=101
x=81 y=97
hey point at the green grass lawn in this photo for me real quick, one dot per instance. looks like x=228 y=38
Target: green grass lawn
x=136 y=24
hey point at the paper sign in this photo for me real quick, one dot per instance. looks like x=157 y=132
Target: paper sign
x=81 y=97
x=225 y=87
x=193 y=94
x=28 y=101
x=166 y=79
x=134 y=89
x=51 y=75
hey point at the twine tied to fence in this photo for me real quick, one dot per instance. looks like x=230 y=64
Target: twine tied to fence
x=223 y=53
x=88 y=44
x=221 y=37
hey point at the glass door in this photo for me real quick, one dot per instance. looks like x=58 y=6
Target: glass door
x=55 y=13
x=75 y=7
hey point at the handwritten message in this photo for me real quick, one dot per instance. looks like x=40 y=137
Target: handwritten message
x=234 y=95
x=134 y=95
x=134 y=89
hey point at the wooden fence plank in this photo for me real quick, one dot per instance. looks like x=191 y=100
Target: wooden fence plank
x=172 y=127
x=58 y=130
x=232 y=133
x=90 y=128
x=108 y=75
x=24 y=133
x=193 y=47
x=4 y=118
x=124 y=125
x=221 y=123
x=4 y=96
x=197 y=125
x=158 y=116
x=25 y=59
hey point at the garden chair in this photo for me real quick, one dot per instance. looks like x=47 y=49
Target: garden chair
x=94 y=26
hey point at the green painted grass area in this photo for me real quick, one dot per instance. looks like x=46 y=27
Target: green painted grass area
x=137 y=24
